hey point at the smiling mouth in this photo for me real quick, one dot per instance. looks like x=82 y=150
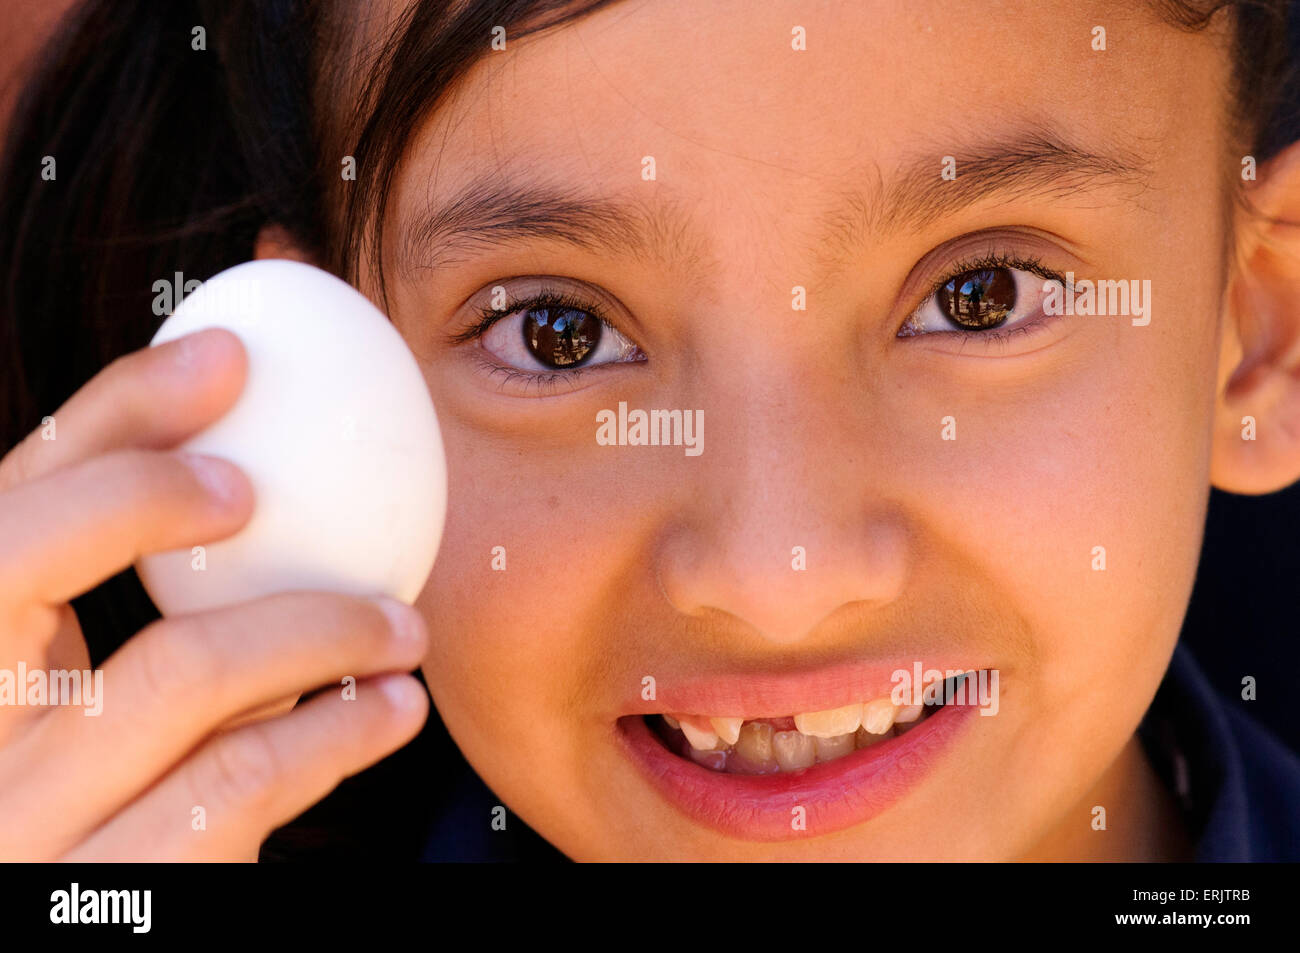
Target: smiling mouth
x=768 y=779
x=792 y=743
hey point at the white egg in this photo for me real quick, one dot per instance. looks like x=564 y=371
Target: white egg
x=337 y=434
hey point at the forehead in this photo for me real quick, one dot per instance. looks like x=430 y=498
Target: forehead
x=743 y=127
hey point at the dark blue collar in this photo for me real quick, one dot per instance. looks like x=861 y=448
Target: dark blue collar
x=1238 y=785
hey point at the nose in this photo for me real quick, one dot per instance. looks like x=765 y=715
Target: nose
x=785 y=524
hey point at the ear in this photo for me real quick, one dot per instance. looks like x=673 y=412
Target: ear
x=274 y=241
x=1256 y=446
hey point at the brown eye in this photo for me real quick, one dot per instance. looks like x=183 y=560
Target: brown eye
x=561 y=337
x=978 y=300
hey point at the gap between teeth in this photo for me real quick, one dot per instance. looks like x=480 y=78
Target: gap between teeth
x=832 y=726
x=734 y=745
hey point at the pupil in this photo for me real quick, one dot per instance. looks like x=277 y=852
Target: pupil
x=979 y=299
x=561 y=337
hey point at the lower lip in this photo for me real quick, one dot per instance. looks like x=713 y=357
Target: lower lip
x=834 y=795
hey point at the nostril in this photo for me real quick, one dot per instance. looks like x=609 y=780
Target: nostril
x=788 y=584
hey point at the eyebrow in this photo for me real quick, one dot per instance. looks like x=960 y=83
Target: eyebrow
x=504 y=209
x=1037 y=163
x=509 y=210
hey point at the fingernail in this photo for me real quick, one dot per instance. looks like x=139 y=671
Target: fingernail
x=186 y=348
x=191 y=351
x=218 y=476
x=406 y=622
x=402 y=691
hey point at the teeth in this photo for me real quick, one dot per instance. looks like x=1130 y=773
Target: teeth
x=866 y=739
x=828 y=749
x=905 y=727
x=830 y=723
x=908 y=713
x=793 y=750
x=793 y=743
x=878 y=715
x=701 y=739
x=755 y=742
x=713 y=760
x=753 y=751
x=728 y=729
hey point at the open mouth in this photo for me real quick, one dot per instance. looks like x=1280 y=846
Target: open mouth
x=792 y=742
x=796 y=775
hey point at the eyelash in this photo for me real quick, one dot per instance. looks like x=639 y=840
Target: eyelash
x=995 y=337
x=555 y=298
x=545 y=298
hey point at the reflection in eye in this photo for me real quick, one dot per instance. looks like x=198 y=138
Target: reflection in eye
x=976 y=300
x=560 y=337
x=549 y=332
x=982 y=297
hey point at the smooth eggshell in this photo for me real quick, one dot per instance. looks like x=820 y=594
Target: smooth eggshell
x=337 y=433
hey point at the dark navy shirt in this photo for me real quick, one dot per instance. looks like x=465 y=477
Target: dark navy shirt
x=1237 y=784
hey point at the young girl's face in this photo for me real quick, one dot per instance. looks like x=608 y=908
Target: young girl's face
x=759 y=200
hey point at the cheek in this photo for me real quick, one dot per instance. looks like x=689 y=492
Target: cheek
x=1081 y=496
x=538 y=566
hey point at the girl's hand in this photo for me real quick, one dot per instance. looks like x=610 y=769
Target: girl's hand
x=183 y=762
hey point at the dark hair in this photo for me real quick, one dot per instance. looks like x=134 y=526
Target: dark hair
x=172 y=160
x=167 y=160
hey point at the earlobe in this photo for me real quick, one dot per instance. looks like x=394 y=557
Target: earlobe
x=1256 y=445
x=274 y=241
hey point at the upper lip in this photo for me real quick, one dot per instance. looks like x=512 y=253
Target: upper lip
x=776 y=694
